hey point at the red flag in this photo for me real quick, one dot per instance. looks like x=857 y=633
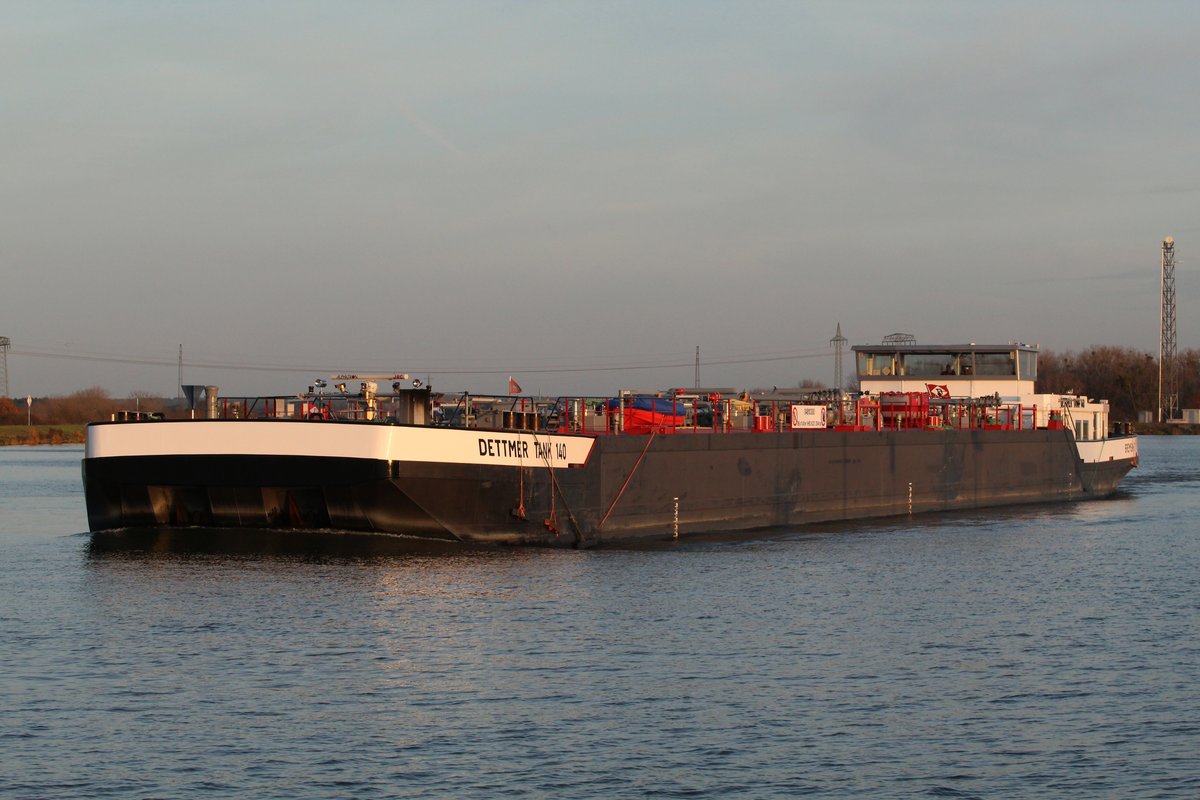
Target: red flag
x=938 y=390
x=513 y=386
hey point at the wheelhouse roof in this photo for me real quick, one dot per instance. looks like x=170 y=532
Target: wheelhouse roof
x=945 y=348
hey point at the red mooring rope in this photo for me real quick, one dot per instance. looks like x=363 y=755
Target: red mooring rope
x=628 y=478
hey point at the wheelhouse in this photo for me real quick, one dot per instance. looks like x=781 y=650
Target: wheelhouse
x=969 y=370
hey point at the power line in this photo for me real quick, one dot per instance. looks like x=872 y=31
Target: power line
x=318 y=369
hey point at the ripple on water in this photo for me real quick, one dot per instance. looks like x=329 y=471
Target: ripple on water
x=1040 y=651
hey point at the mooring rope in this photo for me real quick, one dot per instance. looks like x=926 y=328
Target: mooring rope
x=552 y=522
x=628 y=478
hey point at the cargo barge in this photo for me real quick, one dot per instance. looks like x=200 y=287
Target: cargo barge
x=931 y=428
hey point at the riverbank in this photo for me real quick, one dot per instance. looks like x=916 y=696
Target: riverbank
x=1166 y=429
x=41 y=434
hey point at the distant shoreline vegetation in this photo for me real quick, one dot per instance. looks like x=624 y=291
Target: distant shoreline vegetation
x=41 y=434
x=1127 y=378
x=1166 y=429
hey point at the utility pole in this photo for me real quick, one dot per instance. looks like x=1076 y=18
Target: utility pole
x=697 y=366
x=1168 y=377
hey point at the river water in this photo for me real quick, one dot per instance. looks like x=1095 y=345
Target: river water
x=1050 y=651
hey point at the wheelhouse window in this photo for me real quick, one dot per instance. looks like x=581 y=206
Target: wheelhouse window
x=875 y=364
x=929 y=365
x=1015 y=363
x=1028 y=364
x=996 y=363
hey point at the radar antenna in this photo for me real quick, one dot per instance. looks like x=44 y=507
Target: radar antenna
x=899 y=338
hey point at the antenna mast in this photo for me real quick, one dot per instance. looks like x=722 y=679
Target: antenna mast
x=1168 y=378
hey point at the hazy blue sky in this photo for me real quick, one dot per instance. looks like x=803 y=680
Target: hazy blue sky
x=520 y=187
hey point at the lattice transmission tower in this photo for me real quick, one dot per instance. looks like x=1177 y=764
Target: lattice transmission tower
x=1168 y=376
x=5 y=343
x=839 y=343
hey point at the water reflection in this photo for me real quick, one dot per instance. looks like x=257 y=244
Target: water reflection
x=307 y=545
x=329 y=545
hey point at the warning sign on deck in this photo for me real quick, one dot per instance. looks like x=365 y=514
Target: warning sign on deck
x=808 y=416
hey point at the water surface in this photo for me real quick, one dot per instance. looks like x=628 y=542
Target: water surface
x=1047 y=651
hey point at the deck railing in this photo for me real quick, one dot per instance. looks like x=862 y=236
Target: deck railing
x=633 y=413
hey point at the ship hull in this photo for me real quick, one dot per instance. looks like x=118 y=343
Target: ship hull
x=562 y=490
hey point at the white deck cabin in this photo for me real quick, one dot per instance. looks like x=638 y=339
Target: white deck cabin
x=974 y=371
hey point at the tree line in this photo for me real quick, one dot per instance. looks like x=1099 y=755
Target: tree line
x=1127 y=378
x=87 y=405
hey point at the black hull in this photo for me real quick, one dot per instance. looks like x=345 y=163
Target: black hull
x=632 y=487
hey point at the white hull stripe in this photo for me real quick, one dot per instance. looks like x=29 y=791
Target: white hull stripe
x=331 y=440
x=1094 y=451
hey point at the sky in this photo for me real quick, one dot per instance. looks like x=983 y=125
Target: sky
x=580 y=194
